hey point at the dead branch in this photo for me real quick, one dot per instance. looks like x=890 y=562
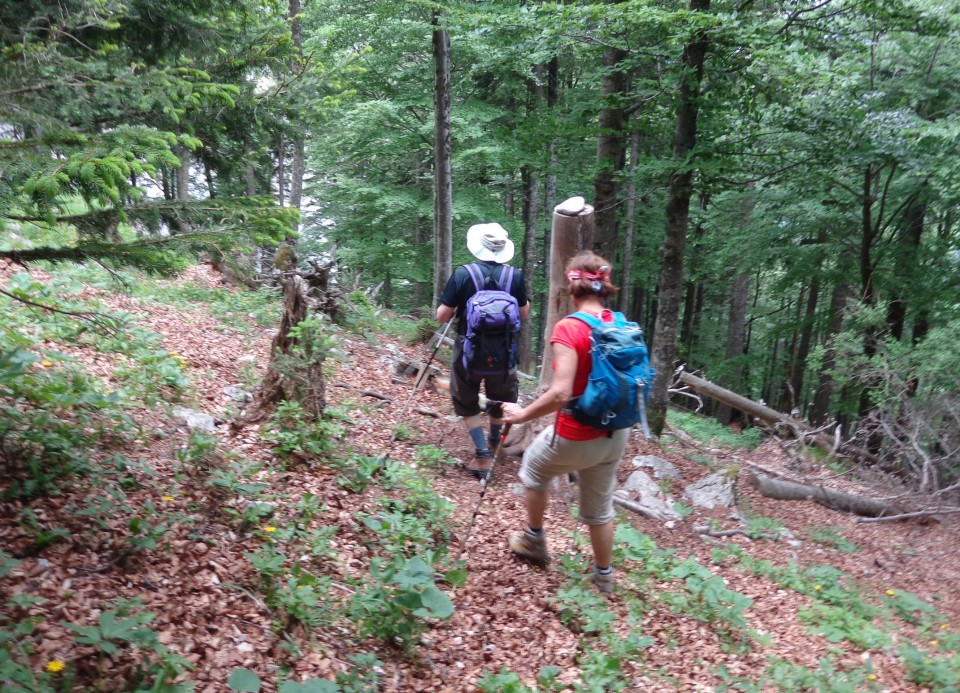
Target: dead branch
x=705 y=530
x=907 y=516
x=368 y=393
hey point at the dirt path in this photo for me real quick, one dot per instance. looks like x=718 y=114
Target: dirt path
x=507 y=617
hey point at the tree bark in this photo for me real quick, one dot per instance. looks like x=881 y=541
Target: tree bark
x=279 y=384
x=626 y=262
x=678 y=212
x=442 y=165
x=610 y=151
x=531 y=210
x=298 y=162
x=824 y=394
x=736 y=342
x=572 y=232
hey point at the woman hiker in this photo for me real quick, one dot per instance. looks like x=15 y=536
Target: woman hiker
x=573 y=447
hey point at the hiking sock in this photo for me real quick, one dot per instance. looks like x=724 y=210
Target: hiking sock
x=535 y=532
x=604 y=571
x=495 y=434
x=476 y=435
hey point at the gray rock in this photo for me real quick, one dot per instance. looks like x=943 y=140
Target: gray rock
x=662 y=469
x=712 y=491
x=645 y=492
x=237 y=393
x=195 y=420
x=571 y=207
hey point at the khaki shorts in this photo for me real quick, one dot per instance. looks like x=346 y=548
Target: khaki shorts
x=595 y=461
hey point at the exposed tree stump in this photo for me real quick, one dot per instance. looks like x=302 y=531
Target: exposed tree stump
x=279 y=384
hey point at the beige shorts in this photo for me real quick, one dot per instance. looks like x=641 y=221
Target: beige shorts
x=595 y=461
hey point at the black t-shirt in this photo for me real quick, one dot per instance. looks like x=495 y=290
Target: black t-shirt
x=460 y=288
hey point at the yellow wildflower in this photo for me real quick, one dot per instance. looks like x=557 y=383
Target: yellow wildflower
x=269 y=529
x=818 y=587
x=934 y=643
x=46 y=364
x=871 y=677
x=54 y=666
x=890 y=593
x=167 y=498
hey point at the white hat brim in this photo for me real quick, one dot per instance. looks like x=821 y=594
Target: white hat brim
x=475 y=244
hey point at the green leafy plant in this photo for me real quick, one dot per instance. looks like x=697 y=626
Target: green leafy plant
x=838 y=624
x=710 y=599
x=362 y=677
x=122 y=628
x=432 y=457
x=783 y=675
x=397 y=601
x=938 y=672
x=299 y=437
x=710 y=431
x=358 y=474
x=831 y=536
x=199 y=450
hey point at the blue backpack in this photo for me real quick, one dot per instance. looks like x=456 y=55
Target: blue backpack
x=492 y=325
x=620 y=376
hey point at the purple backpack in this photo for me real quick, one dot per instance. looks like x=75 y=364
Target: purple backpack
x=492 y=325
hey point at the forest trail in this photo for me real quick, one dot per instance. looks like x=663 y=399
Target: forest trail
x=507 y=616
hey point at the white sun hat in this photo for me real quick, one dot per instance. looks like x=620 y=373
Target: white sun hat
x=489 y=242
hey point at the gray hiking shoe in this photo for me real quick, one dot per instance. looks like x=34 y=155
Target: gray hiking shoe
x=532 y=548
x=604 y=582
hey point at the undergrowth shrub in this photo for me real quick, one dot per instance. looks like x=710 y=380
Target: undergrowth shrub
x=53 y=416
x=712 y=432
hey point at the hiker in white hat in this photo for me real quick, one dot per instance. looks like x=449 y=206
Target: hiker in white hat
x=489 y=300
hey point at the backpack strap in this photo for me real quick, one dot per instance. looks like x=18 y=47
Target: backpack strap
x=506 y=278
x=476 y=274
x=591 y=320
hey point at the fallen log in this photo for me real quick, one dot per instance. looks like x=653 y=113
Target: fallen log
x=772 y=417
x=835 y=500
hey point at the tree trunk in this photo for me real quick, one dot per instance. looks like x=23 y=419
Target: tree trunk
x=678 y=212
x=824 y=393
x=610 y=151
x=799 y=365
x=531 y=210
x=905 y=266
x=736 y=342
x=183 y=174
x=298 y=162
x=442 y=165
x=626 y=262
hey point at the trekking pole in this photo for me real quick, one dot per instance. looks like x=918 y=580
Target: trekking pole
x=422 y=374
x=491 y=407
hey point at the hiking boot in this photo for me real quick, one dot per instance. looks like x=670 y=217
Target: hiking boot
x=479 y=471
x=532 y=548
x=604 y=582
